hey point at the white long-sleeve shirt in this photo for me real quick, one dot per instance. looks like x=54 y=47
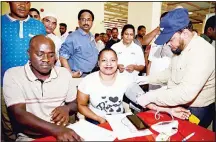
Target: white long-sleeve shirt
x=57 y=41
x=64 y=36
x=190 y=78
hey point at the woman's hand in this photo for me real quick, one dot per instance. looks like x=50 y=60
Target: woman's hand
x=130 y=68
x=101 y=120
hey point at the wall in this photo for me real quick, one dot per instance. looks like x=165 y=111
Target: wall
x=139 y=13
x=199 y=28
x=4 y=7
x=156 y=13
x=67 y=12
x=143 y=13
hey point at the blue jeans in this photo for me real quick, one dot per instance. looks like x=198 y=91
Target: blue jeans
x=92 y=121
x=205 y=114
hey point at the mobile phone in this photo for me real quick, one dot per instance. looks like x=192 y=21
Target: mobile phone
x=137 y=122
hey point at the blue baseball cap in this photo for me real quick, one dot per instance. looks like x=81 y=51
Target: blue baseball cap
x=172 y=22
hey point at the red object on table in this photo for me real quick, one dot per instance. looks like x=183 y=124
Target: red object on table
x=184 y=129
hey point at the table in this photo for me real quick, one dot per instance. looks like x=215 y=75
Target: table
x=184 y=129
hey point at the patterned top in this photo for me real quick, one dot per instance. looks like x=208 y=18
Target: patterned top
x=15 y=38
x=103 y=99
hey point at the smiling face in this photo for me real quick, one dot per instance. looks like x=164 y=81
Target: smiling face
x=42 y=55
x=128 y=36
x=50 y=24
x=19 y=10
x=108 y=62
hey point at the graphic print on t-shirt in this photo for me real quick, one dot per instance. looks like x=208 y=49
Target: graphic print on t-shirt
x=110 y=104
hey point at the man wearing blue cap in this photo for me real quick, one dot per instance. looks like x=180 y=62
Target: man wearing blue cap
x=190 y=78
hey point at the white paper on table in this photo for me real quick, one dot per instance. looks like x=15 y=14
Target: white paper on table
x=123 y=128
x=91 y=132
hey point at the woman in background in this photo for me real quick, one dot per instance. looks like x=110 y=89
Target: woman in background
x=130 y=55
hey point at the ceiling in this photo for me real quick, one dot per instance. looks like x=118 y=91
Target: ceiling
x=197 y=10
x=116 y=13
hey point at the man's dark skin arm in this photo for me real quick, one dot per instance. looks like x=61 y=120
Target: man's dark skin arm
x=149 y=37
x=60 y=115
x=30 y=121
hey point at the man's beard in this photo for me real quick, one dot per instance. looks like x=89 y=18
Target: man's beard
x=139 y=35
x=179 y=49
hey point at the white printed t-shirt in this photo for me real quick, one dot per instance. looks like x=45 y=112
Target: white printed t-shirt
x=104 y=100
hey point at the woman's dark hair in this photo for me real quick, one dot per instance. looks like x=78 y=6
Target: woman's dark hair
x=127 y=26
x=104 y=50
x=85 y=10
x=34 y=9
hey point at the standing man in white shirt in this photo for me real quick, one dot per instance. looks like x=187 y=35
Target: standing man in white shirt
x=50 y=23
x=63 y=31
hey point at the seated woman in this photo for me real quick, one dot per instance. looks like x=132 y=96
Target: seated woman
x=101 y=92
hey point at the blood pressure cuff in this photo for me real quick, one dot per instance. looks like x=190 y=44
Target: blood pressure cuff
x=133 y=92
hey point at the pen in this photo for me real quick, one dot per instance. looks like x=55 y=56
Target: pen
x=188 y=137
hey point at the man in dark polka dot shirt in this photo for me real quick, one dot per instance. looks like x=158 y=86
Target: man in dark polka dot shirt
x=17 y=30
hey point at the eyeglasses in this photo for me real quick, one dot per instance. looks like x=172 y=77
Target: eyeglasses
x=85 y=20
